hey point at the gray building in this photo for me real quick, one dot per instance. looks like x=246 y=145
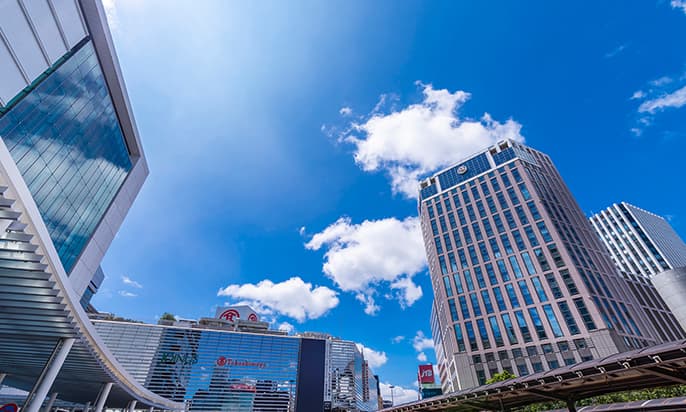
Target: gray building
x=643 y=244
x=71 y=164
x=521 y=281
x=241 y=365
x=639 y=241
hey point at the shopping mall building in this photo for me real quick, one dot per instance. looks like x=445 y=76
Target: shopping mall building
x=233 y=362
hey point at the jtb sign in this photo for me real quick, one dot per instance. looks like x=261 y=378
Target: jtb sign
x=426 y=374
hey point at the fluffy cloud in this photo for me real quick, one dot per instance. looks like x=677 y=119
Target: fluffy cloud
x=127 y=294
x=361 y=256
x=423 y=137
x=679 y=4
x=422 y=357
x=286 y=327
x=398 y=339
x=293 y=298
x=374 y=358
x=675 y=99
x=345 y=111
x=399 y=394
x=128 y=281
x=421 y=342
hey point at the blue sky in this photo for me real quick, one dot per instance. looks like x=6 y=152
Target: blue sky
x=282 y=138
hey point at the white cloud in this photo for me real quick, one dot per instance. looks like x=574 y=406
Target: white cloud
x=127 y=294
x=615 y=51
x=128 y=281
x=422 y=357
x=286 y=327
x=675 y=99
x=679 y=4
x=362 y=256
x=292 y=297
x=398 y=339
x=421 y=342
x=374 y=358
x=345 y=111
x=399 y=394
x=423 y=137
x=638 y=94
x=302 y=230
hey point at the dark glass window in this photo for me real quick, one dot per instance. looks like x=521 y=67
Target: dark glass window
x=538 y=286
x=444 y=268
x=470 y=213
x=491 y=274
x=484 y=188
x=439 y=245
x=552 y=320
x=568 y=318
x=484 y=252
x=491 y=205
x=506 y=244
x=506 y=180
x=475 y=193
x=67 y=143
x=487 y=301
x=463 y=258
x=528 y=263
x=480 y=208
x=458 y=283
x=501 y=200
x=514 y=302
x=509 y=329
x=554 y=286
x=461 y=218
x=531 y=236
x=538 y=324
x=456 y=236
x=468 y=279
x=479 y=277
x=524 y=191
x=448 y=206
x=499 y=298
x=431 y=211
x=459 y=338
x=585 y=315
x=569 y=282
x=517 y=176
x=518 y=240
x=555 y=253
x=448 y=286
x=495 y=184
x=513 y=196
x=451 y=220
x=453 y=264
x=471 y=336
x=524 y=289
x=521 y=215
x=499 y=223
x=497 y=335
x=542 y=261
x=441 y=220
x=515 y=267
x=472 y=255
x=477 y=231
x=534 y=210
x=503 y=271
x=544 y=232
x=463 y=307
x=453 y=310
x=510 y=219
x=448 y=243
x=434 y=228
x=487 y=227
x=495 y=248
x=483 y=333
x=467 y=235
x=476 y=308
x=523 y=328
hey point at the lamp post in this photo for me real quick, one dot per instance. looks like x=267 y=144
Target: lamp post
x=392 y=400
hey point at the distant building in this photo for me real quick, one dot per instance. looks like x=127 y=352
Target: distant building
x=644 y=244
x=228 y=363
x=639 y=241
x=521 y=281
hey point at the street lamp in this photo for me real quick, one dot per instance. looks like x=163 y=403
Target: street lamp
x=392 y=401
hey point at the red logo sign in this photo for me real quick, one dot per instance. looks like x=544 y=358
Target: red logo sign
x=230 y=314
x=223 y=361
x=252 y=317
x=426 y=374
x=10 y=407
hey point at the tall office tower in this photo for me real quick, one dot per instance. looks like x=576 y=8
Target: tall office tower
x=521 y=281
x=643 y=244
x=639 y=242
x=71 y=164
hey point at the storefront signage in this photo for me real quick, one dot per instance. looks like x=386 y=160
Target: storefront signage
x=223 y=361
x=10 y=407
x=426 y=374
x=174 y=358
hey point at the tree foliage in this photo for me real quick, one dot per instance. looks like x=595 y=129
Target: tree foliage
x=502 y=376
x=168 y=316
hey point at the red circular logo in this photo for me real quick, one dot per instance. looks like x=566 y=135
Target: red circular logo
x=10 y=407
x=252 y=317
x=230 y=314
x=221 y=361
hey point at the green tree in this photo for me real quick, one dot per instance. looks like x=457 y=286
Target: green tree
x=502 y=376
x=167 y=316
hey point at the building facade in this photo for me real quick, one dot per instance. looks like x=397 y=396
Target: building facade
x=521 y=282
x=639 y=241
x=215 y=365
x=643 y=244
x=71 y=164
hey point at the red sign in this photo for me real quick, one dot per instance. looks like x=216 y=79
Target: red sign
x=223 y=361
x=229 y=315
x=10 y=407
x=426 y=374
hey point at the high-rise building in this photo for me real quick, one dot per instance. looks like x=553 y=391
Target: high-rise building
x=639 y=242
x=71 y=164
x=643 y=244
x=521 y=281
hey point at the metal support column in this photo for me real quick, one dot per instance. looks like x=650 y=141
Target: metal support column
x=48 y=375
x=104 y=393
x=51 y=401
x=571 y=405
x=132 y=406
x=2 y=378
x=87 y=407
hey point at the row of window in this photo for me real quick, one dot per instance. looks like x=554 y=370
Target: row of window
x=563 y=347
x=475 y=334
